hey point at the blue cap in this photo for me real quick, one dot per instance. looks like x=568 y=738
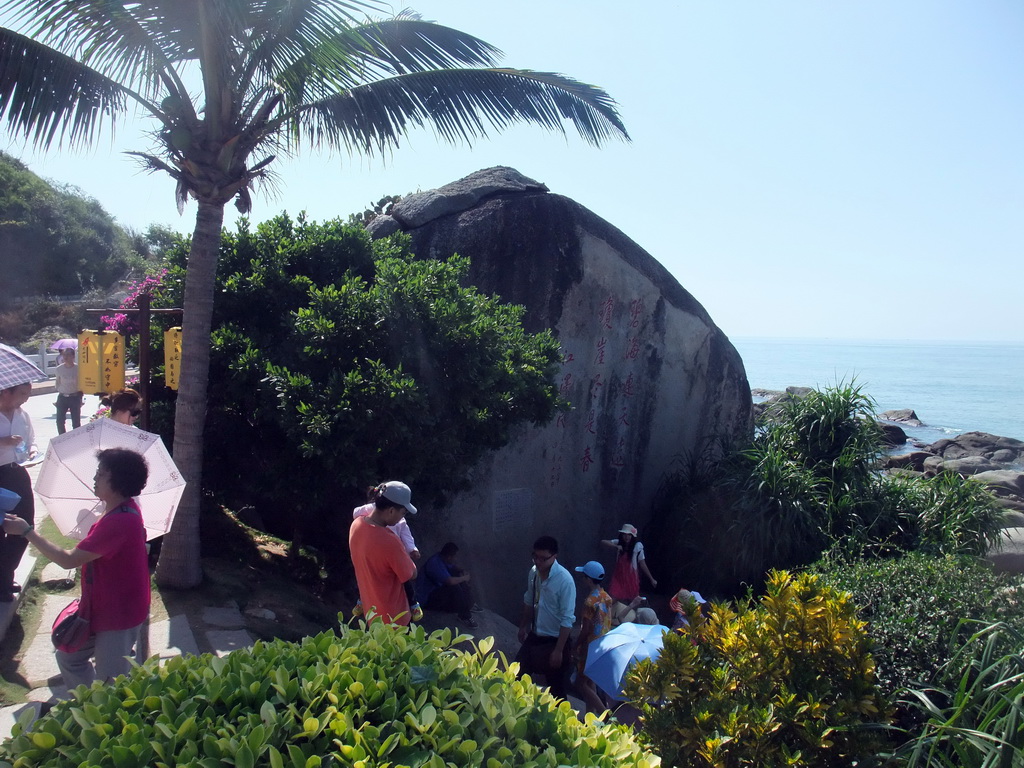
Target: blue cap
x=593 y=569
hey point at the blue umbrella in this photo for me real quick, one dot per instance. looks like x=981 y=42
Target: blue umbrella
x=8 y=500
x=16 y=369
x=611 y=655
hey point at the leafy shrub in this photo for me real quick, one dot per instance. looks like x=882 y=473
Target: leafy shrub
x=958 y=515
x=974 y=713
x=810 y=481
x=787 y=680
x=803 y=479
x=914 y=604
x=379 y=697
x=335 y=359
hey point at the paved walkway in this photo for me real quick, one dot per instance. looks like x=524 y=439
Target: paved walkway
x=219 y=630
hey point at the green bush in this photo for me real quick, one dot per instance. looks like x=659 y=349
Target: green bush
x=913 y=605
x=974 y=713
x=379 y=697
x=787 y=680
x=335 y=359
x=811 y=482
x=803 y=480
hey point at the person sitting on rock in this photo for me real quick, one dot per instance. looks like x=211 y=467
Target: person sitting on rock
x=444 y=586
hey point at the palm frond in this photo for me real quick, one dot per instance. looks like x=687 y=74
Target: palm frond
x=114 y=38
x=286 y=40
x=408 y=44
x=366 y=53
x=459 y=104
x=47 y=96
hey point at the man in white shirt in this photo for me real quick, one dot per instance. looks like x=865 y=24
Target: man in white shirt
x=17 y=444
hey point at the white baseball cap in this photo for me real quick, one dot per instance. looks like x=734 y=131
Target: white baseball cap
x=399 y=493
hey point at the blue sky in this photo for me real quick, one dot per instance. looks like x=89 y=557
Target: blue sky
x=838 y=169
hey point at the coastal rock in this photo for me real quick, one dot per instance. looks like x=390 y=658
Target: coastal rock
x=913 y=460
x=649 y=375
x=1008 y=556
x=892 y=434
x=902 y=416
x=969 y=465
x=1013 y=517
x=980 y=444
x=1003 y=482
x=771 y=398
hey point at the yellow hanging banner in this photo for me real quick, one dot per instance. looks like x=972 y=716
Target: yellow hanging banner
x=172 y=357
x=90 y=364
x=100 y=362
x=112 y=350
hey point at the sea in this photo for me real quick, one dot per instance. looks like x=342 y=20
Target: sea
x=953 y=387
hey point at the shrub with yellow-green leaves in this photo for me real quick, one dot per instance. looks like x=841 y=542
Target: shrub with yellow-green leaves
x=374 y=698
x=786 y=680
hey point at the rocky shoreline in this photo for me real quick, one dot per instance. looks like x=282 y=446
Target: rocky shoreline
x=995 y=461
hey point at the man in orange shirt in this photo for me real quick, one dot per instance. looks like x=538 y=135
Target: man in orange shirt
x=381 y=563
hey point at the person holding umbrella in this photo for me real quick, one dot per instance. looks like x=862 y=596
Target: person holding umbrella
x=17 y=444
x=69 y=396
x=115 y=574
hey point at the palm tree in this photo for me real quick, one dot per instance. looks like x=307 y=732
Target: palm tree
x=271 y=76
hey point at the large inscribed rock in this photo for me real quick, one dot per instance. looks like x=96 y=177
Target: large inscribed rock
x=649 y=376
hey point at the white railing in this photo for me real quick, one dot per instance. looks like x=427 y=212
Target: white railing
x=46 y=359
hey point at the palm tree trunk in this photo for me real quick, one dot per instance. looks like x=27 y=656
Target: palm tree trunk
x=179 y=564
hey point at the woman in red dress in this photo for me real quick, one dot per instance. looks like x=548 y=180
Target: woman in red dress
x=630 y=561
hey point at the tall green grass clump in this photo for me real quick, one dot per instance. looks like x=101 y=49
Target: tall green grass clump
x=803 y=481
x=973 y=713
x=374 y=698
x=811 y=481
x=786 y=680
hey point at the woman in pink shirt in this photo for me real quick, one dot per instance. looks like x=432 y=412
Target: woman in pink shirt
x=115 y=572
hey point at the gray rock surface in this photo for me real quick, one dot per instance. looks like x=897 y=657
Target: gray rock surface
x=913 y=460
x=649 y=376
x=902 y=416
x=980 y=444
x=419 y=209
x=892 y=434
x=1003 y=481
x=969 y=465
x=1008 y=557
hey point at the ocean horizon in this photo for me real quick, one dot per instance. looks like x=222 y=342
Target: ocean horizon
x=954 y=387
